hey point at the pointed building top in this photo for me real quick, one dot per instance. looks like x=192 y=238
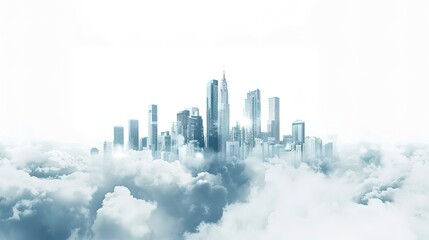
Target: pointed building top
x=224 y=74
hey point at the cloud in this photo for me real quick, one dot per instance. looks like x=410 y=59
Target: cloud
x=369 y=192
x=122 y=216
x=379 y=194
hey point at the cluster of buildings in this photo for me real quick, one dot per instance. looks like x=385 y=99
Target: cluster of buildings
x=189 y=135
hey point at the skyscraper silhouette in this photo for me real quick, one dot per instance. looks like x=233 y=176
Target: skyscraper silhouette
x=212 y=135
x=298 y=132
x=118 y=136
x=153 y=128
x=182 y=124
x=223 y=115
x=274 y=119
x=133 y=134
x=252 y=115
x=196 y=130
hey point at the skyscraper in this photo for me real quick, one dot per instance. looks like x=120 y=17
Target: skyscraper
x=236 y=133
x=274 y=119
x=252 y=114
x=166 y=141
x=298 y=132
x=94 y=151
x=212 y=138
x=143 y=143
x=153 y=128
x=182 y=124
x=328 y=151
x=232 y=150
x=196 y=130
x=107 y=149
x=118 y=136
x=223 y=115
x=133 y=134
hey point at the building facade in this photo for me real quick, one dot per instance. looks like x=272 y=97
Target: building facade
x=252 y=115
x=153 y=128
x=196 y=130
x=223 y=115
x=273 y=127
x=182 y=124
x=118 y=137
x=133 y=134
x=298 y=132
x=212 y=134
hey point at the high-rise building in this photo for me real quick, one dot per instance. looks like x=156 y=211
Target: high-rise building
x=232 y=150
x=166 y=141
x=174 y=138
x=273 y=128
x=118 y=136
x=298 y=132
x=212 y=135
x=236 y=133
x=94 y=151
x=133 y=134
x=143 y=143
x=328 y=151
x=287 y=142
x=298 y=138
x=182 y=124
x=252 y=114
x=196 y=130
x=153 y=128
x=107 y=149
x=223 y=114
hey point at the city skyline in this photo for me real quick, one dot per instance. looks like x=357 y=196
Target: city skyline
x=189 y=136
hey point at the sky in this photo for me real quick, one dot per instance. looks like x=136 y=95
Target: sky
x=353 y=70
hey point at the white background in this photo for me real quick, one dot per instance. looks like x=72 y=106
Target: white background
x=71 y=70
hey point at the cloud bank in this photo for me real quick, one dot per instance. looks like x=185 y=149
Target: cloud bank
x=368 y=192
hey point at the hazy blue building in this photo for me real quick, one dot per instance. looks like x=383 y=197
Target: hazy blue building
x=196 y=130
x=298 y=132
x=166 y=141
x=287 y=142
x=174 y=138
x=232 y=150
x=212 y=135
x=252 y=115
x=274 y=119
x=153 y=128
x=298 y=138
x=94 y=151
x=313 y=148
x=328 y=151
x=118 y=136
x=223 y=115
x=107 y=149
x=143 y=143
x=236 y=133
x=182 y=124
x=133 y=134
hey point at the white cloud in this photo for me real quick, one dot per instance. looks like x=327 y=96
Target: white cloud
x=369 y=192
x=302 y=204
x=122 y=216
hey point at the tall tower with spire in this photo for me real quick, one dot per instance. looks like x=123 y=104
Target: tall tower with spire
x=223 y=114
